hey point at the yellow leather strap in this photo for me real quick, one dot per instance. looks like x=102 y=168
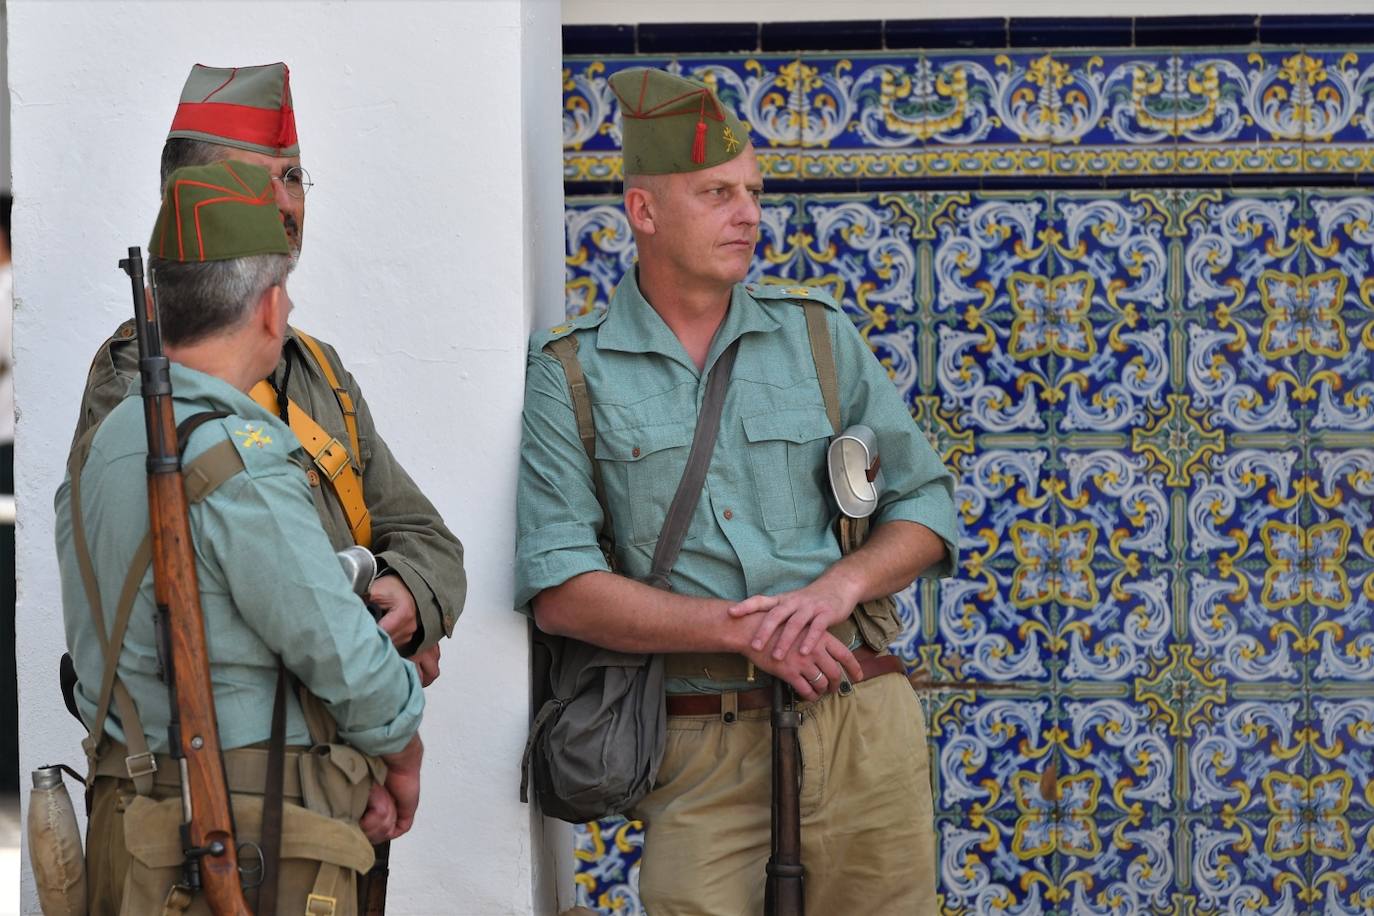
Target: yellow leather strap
x=350 y=413
x=330 y=456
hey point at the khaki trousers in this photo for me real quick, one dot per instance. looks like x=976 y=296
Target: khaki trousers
x=868 y=833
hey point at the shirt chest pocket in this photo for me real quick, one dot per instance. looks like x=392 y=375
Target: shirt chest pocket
x=642 y=467
x=787 y=460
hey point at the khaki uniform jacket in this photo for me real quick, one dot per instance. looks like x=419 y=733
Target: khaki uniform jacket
x=408 y=535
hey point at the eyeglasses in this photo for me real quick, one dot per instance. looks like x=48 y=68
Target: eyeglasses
x=296 y=181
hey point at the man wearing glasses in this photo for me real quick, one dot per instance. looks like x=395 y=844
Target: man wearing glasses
x=361 y=492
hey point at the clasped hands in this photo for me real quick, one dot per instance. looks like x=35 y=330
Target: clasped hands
x=790 y=640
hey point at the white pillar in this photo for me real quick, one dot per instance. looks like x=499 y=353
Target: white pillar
x=432 y=246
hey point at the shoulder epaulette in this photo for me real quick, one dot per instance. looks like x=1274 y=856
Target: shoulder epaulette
x=766 y=291
x=540 y=339
x=261 y=446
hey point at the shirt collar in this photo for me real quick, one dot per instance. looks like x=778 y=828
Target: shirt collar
x=632 y=325
x=210 y=392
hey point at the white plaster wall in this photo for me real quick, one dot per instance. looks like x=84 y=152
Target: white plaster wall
x=432 y=238
x=621 y=12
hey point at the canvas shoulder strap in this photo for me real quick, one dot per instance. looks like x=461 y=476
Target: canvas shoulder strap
x=564 y=349
x=823 y=355
x=202 y=477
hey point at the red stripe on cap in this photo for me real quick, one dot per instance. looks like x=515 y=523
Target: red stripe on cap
x=272 y=127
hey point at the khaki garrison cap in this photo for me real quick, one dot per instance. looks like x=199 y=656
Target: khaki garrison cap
x=243 y=107
x=218 y=212
x=671 y=124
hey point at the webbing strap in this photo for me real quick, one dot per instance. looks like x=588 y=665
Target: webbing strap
x=823 y=355
x=330 y=456
x=564 y=349
x=323 y=899
x=138 y=762
x=202 y=476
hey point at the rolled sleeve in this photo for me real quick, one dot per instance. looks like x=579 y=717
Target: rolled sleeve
x=287 y=584
x=917 y=486
x=557 y=514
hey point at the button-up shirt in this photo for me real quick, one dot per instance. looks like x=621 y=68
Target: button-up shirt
x=763 y=523
x=270 y=584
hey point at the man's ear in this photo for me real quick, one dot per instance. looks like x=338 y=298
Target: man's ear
x=639 y=210
x=272 y=309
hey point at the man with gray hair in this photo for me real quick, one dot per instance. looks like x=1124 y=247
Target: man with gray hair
x=362 y=493
x=278 y=609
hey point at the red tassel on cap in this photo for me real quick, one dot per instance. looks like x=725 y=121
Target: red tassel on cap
x=699 y=144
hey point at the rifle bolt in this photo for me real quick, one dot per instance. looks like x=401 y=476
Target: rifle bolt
x=197 y=742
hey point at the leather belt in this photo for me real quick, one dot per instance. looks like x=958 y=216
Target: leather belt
x=708 y=704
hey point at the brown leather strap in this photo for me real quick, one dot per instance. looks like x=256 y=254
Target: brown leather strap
x=709 y=704
x=272 y=800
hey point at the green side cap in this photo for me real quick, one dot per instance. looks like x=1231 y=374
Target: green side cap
x=671 y=124
x=218 y=212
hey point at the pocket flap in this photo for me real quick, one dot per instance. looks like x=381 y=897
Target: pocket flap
x=639 y=442
x=792 y=424
x=153 y=837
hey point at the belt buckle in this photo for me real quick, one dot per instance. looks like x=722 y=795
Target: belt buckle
x=146 y=764
x=320 y=905
x=323 y=458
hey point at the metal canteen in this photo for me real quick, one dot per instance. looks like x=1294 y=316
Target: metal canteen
x=361 y=568
x=855 y=476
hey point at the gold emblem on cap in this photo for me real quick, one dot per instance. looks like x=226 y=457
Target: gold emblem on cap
x=731 y=144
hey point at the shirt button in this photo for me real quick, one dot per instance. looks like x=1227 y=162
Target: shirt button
x=635 y=452
x=312 y=477
x=126 y=332
x=729 y=514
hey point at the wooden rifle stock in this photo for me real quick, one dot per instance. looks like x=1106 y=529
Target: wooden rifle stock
x=207 y=830
x=783 y=893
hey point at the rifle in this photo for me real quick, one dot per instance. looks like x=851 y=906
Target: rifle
x=207 y=828
x=786 y=876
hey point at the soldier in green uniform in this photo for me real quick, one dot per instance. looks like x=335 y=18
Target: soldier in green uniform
x=761 y=586
x=272 y=591
x=360 y=490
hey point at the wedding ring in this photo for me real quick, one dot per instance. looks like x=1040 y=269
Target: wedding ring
x=819 y=675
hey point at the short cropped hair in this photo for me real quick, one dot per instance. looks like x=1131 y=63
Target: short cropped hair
x=197 y=299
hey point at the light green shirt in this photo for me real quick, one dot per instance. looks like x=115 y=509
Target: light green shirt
x=269 y=581
x=764 y=521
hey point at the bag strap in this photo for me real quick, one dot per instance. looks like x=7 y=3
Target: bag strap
x=694 y=475
x=564 y=349
x=202 y=476
x=823 y=355
x=333 y=460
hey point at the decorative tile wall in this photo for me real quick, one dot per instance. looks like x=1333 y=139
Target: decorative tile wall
x=1150 y=687
x=960 y=114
